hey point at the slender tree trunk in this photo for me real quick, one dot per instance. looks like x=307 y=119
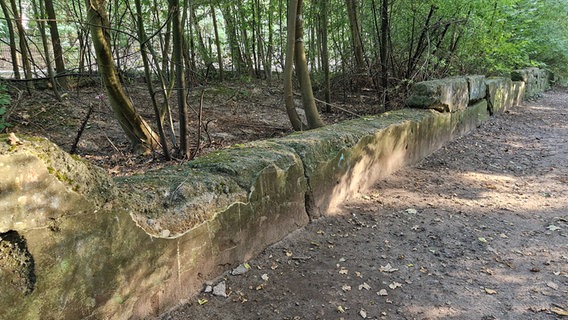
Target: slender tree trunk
x=22 y=44
x=12 y=37
x=295 y=53
x=143 y=39
x=420 y=45
x=325 y=53
x=308 y=101
x=230 y=26
x=270 y=45
x=384 y=52
x=177 y=39
x=289 y=69
x=200 y=43
x=40 y=15
x=137 y=130
x=165 y=42
x=217 y=42
x=56 y=43
x=253 y=39
x=354 y=25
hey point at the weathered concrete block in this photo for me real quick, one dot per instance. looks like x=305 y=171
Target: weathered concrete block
x=345 y=159
x=124 y=249
x=499 y=94
x=536 y=80
x=444 y=95
x=518 y=92
x=477 y=88
x=40 y=184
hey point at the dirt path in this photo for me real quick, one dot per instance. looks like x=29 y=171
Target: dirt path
x=478 y=230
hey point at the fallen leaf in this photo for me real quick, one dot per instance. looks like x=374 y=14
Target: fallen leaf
x=387 y=268
x=490 y=291
x=343 y=271
x=482 y=239
x=383 y=292
x=487 y=270
x=365 y=286
x=264 y=277
x=13 y=140
x=202 y=301
x=559 y=311
x=411 y=211
x=358 y=274
x=340 y=309
x=395 y=285
x=363 y=314
x=552 y=285
x=346 y=288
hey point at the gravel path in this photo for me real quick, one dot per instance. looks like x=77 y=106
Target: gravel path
x=478 y=230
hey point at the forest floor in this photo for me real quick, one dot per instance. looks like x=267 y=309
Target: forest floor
x=478 y=230
x=231 y=113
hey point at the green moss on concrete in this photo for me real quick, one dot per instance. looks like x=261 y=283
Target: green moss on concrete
x=444 y=95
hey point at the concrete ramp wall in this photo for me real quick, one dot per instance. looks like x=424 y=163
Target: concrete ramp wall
x=75 y=243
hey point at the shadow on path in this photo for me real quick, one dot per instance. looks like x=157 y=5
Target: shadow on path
x=478 y=230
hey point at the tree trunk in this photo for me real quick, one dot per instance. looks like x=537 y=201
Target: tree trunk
x=384 y=51
x=56 y=43
x=295 y=53
x=40 y=16
x=22 y=44
x=177 y=40
x=137 y=130
x=325 y=54
x=217 y=42
x=143 y=39
x=308 y=101
x=289 y=69
x=230 y=25
x=12 y=36
x=354 y=25
x=200 y=43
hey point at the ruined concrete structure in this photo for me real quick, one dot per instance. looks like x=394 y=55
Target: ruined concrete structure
x=75 y=243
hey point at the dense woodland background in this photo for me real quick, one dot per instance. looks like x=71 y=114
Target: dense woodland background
x=380 y=47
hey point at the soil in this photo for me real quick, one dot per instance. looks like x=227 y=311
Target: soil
x=231 y=113
x=478 y=230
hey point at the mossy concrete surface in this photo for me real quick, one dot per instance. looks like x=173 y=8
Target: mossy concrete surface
x=444 y=95
x=500 y=95
x=537 y=81
x=76 y=243
x=476 y=87
x=518 y=89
